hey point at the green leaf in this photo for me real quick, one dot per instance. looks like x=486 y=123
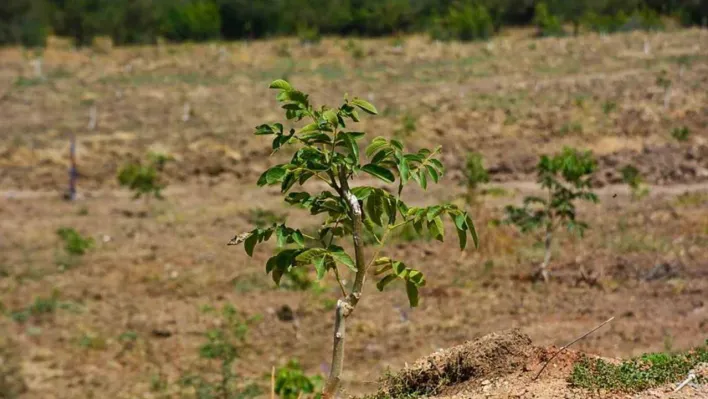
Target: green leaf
x=280 y=84
x=352 y=144
x=412 y=292
x=272 y=176
x=433 y=173
x=473 y=231
x=320 y=266
x=375 y=145
x=440 y=228
x=342 y=257
x=362 y=192
x=298 y=238
x=404 y=170
x=312 y=127
x=417 y=278
x=365 y=105
x=385 y=281
x=423 y=180
x=380 y=172
x=331 y=117
x=462 y=235
x=250 y=243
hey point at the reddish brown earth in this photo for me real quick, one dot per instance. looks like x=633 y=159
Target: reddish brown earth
x=644 y=262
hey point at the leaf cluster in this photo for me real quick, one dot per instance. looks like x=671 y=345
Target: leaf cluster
x=326 y=150
x=74 y=242
x=566 y=177
x=143 y=178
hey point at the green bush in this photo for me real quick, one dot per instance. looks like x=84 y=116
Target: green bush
x=74 y=243
x=464 y=21
x=547 y=23
x=197 y=20
x=291 y=382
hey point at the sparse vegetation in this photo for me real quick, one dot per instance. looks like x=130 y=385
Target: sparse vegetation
x=75 y=246
x=292 y=383
x=328 y=152
x=566 y=179
x=143 y=178
x=475 y=175
x=638 y=374
x=681 y=133
x=224 y=344
x=631 y=177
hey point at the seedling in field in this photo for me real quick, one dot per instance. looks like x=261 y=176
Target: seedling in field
x=143 y=178
x=566 y=179
x=291 y=382
x=475 y=174
x=681 y=133
x=327 y=151
x=631 y=176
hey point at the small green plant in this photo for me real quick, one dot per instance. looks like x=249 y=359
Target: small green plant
x=464 y=21
x=681 y=133
x=608 y=107
x=74 y=243
x=547 y=23
x=75 y=246
x=223 y=344
x=566 y=178
x=41 y=307
x=326 y=150
x=291 y=382
x=631 y=177
x=143 y=178
x=637 y=374
x=356 y=51
x=474 y=175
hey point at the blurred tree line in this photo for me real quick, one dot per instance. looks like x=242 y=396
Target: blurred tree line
x=29 y=22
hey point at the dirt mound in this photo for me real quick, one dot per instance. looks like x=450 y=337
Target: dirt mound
x=504 y=365
x=492 y=355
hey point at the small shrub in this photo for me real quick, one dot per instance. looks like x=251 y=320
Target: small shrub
x=308 y=34
x=144 y=178
x=680 y=133
x=566 y=179
x=327 y=150
x=74 y=243
x=224 y=345
x=631 y=177
x=474 y=174
x=547 y=23
x=464 y=21
x=608 y=107
x=196 y=20
x=291 y=382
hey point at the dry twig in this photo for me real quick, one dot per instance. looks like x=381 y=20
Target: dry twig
x=569 y=344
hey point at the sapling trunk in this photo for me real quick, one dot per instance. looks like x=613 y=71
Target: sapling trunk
x=547 y=255
x=345 y=306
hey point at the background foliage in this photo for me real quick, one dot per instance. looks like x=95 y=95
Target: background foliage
x=29 y=22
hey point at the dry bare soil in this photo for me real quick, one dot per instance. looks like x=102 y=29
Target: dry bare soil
x=127 y=319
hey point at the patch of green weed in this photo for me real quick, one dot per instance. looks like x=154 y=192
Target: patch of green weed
x=638 y=374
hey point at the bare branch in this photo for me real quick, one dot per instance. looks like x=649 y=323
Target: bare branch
x=569 y=344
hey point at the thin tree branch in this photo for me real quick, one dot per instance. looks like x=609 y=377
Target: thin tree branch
x=569 y=344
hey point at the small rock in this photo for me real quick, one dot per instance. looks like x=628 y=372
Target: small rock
x=486 y=382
